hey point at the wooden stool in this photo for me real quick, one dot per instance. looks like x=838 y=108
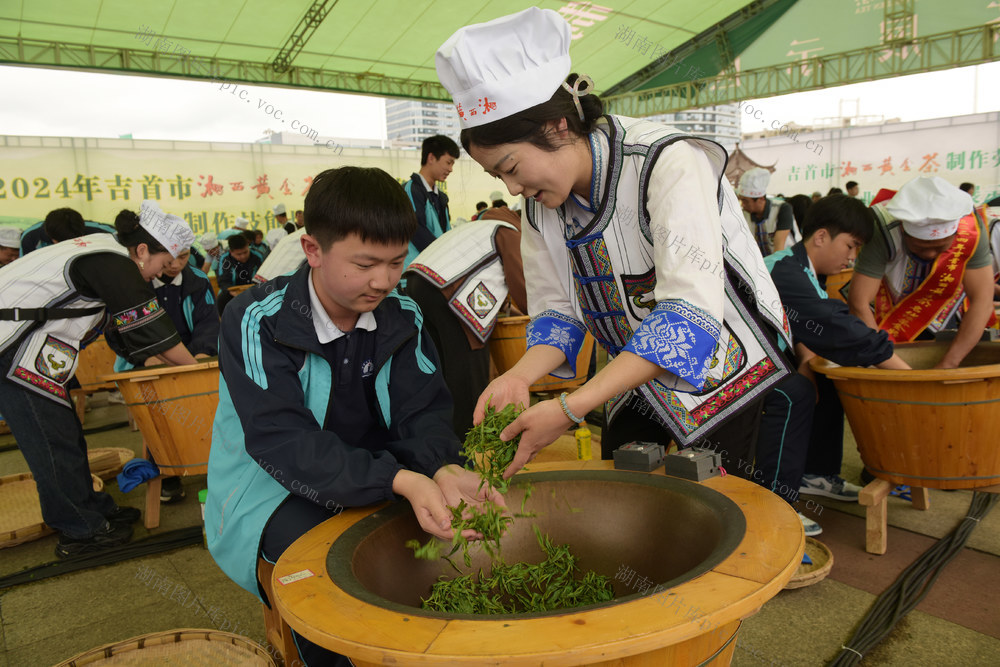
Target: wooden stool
x=875 y=497
x=276 y=631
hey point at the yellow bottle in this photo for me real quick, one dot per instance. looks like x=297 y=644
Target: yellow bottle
x=583 y=442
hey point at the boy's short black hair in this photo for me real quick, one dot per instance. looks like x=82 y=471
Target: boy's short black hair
x=966 y=187
x=437 y=146
x=834 y=191
x=63 y=224
x=238 y=242
x=851 y=184
x=250 y=235
x=480 y=205
x=358 y=200
x=840 y=214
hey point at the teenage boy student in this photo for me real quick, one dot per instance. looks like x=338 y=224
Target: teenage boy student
x=237 y=266
x=437 y=159
x=330 y=394
x=800 y=443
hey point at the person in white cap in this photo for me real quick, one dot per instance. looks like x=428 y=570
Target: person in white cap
x=930 y=252
x=50 y=302
x=630 y=232
x=10 y=245
x=210 y=242
x=280 y=215
x=240 y=225
x=771 y=221
x=437 y=158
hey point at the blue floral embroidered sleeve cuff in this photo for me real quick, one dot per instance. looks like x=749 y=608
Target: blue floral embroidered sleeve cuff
x=677 y=337
x=560 y=331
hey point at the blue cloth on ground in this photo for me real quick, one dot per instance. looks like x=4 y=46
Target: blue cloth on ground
x=135 y=473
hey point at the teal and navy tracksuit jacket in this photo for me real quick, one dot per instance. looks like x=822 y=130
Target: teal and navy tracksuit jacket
x=273 y=435
x=826 y=326
x=433 y=218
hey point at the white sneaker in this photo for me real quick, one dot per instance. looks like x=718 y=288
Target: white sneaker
x=830 y=486
x=811 y=527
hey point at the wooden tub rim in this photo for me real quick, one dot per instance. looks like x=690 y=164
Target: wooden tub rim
x=650 y=625
x=946 y=376
x=154 y=372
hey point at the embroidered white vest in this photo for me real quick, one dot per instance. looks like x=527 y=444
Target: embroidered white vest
x=745 y=363
x=468 y=253
x=48 y=352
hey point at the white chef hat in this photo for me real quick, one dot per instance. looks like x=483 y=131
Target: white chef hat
x=172 y=231
x=279 y=209
x=496 y=195
x=753 y=183
x=241 y=223
x=274 y=236
x=929 y=207
x=498 y=68
x=10 y=237
x=209 y=241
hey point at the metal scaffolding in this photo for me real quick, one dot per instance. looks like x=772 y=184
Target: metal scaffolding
x=898 y=56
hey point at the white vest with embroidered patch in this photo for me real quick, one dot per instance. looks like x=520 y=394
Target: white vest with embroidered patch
x=469 y=253
x=48 y=352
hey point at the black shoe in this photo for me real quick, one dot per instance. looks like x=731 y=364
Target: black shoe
x=114 y=535
x=866 y=477
x=126 y=515
x=171 y=490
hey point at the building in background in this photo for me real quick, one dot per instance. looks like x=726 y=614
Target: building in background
x=408 y=123
x=719 y=123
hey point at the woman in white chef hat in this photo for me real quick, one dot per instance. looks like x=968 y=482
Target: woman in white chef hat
x=631 y=233
x=51 y=300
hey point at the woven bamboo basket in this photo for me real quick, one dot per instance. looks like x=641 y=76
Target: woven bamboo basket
x=20 y=511
x=809 y=574
x=106 y=462
x=178 y=647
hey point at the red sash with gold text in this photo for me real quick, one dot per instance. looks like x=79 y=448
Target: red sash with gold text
x=936 y=296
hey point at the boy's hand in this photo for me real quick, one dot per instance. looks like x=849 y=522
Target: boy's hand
x=427 y=501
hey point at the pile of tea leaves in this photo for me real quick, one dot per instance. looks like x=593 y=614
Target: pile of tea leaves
x=507 y=589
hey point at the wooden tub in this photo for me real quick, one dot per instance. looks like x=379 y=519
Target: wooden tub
x=508 y=343
x=174 y=407
x=96 y=361
x=926 y=428
x=351 y=585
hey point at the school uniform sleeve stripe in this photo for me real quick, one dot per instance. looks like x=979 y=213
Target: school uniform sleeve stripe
x=406 y=303
x=250 y=326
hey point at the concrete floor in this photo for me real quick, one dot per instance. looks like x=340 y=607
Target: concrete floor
x=957 y=624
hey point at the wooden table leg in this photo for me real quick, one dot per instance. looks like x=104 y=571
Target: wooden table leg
x=152 y=514
x=874 y=497
x=921 y=498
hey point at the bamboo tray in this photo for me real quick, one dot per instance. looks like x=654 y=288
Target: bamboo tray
x=20 y=511
x=106 y=462
x=822 y=563
x=177 y=647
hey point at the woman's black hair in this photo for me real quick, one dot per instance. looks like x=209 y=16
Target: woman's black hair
x=63 y=224
x=530 y=125
x=131 y=233
x=840 y=214
x=358 y=200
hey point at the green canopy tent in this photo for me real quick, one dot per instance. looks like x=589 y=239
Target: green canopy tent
x=646 y=56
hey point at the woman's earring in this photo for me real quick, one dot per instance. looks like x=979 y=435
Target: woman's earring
x=142 y=265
